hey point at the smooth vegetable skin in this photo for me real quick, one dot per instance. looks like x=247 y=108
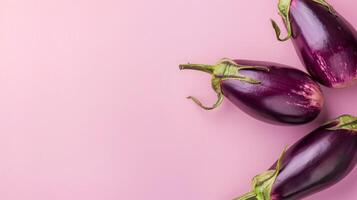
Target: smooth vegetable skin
x=325 y=42
x=317 y=161
x=267 y=91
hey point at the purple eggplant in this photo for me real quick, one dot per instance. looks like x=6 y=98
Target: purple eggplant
x=267 y=91
x=325 y=42
x=317 y=161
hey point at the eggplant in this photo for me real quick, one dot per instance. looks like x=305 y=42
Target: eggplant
x=270 y=92
x=316 y=162
x=325 y=42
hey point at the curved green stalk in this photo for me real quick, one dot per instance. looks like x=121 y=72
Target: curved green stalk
x=215 y=105
x=225 y=69
x=284 y=12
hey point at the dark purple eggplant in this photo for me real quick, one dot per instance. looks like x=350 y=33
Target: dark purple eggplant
x=268 y=91
x=325 y=42
x=316 y=162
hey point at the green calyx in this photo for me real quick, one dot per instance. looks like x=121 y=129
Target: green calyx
x=263 y=183
x=284 y=9
x=225 y=69
x=346 y=122
x=284 y=12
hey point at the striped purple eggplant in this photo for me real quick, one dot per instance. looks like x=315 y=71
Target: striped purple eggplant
x=267 y=91
x=316 y=162
x=325 y=42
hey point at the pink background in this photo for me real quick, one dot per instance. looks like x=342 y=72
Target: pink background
x=93 y=104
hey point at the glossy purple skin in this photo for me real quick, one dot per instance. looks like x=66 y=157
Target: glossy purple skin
x=317 y=161
x=326 y=43
x=285 y=95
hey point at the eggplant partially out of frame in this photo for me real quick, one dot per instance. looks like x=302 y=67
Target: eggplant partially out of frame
x=268 y=91
x=316 y=162
x=325 y=41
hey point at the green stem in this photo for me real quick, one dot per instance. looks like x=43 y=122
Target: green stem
x=248 y=196
x=199 y=67
x=225 y=69
x=348 y=122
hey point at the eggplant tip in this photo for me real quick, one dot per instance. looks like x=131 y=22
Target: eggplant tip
x=317 y=98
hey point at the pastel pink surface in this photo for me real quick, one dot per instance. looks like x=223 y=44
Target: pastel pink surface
x=93 y=104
